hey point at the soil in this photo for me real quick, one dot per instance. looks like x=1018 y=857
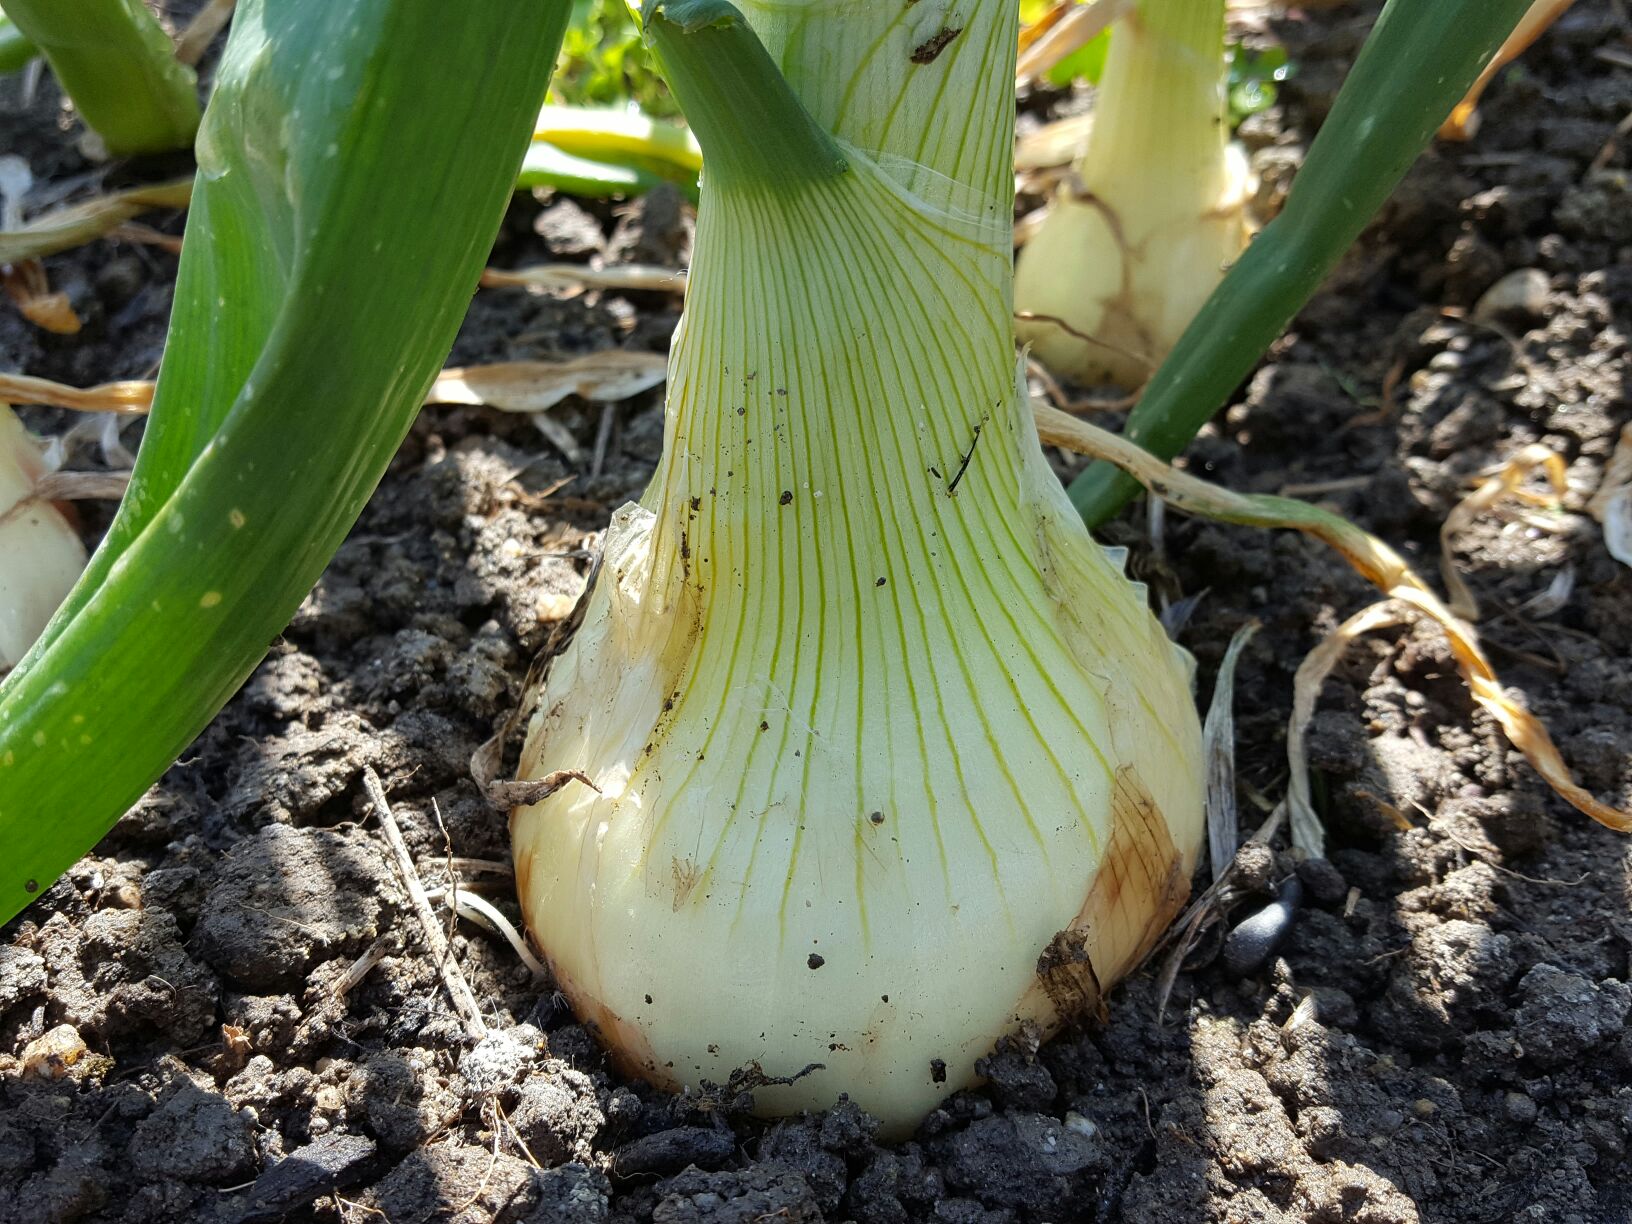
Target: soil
x=172 y=1045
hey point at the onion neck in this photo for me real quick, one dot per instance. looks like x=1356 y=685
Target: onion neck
x=1157 y=146
x=843 y=381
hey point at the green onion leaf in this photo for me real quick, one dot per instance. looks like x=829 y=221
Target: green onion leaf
x=313 y=309
x=119 y=67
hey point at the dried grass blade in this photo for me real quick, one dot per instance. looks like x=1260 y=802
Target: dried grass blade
x=77 y=224
x=1375 y=561
x=1218 y=750
x=645 y=277
x=1068 y=35
x=533 y=386
x=26 y=285
x=1464 y=119
x=132 y=397
x=1498 y=484
x=1308 y=834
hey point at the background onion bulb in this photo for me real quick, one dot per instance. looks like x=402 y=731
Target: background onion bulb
x=890 y=756
x=1139 y=236
x=40 y=554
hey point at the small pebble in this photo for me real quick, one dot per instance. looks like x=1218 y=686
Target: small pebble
x=672 y=1150
x=1075 y=1121
x=1516 y=1107
x=1518 y=295
x=1255 y=940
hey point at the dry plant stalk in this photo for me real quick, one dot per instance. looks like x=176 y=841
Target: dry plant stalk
x=1371 y=558
x=645 y=277
x=209 y=21
x=511 y=386
x=1497 y=484
x=1308 y=834
x=1218 y=750
x=453 y=979
x=76 y=224
x=1066 y=35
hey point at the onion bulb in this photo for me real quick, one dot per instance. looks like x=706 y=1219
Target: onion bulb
x=887 y=756
x=40 y=554
x=1142 y=231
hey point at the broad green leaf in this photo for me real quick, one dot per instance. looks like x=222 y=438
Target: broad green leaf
x=1418 y=62
x=119 y=67
x=318 y=293
x=15 y=49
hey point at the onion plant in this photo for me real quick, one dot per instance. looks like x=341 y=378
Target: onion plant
x=1143 y=229
x=871 y=725
x=119 y=67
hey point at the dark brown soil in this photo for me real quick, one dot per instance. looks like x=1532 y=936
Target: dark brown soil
x=1468 y=1060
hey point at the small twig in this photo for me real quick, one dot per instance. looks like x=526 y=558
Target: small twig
x=453 y=979
x=1037 y=316
x=515 y=1135
x=1057 y=396
x=453 y=877
x=603 y=439
x=1475 y=852
x=377 y=951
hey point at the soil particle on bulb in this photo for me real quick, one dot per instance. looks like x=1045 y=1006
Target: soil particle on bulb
x=815 y=961
x=926 y=51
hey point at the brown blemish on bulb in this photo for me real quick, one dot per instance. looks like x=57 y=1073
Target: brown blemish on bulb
x=1139 y=889
x=624 y=1040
